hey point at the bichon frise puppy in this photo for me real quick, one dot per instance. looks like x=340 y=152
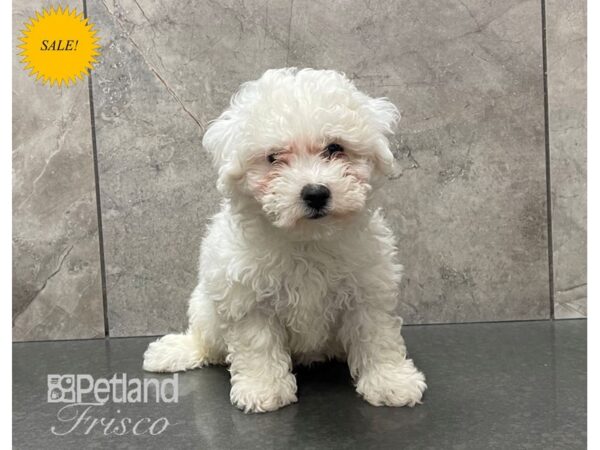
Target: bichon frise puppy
x=298 y=265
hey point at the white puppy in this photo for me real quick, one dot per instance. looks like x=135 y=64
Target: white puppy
x=298 y=266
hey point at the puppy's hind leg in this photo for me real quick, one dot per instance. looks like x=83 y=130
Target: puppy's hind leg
x=176 y=352
x=199 y=346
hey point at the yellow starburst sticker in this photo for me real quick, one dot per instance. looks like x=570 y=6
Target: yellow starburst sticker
x=59 y=46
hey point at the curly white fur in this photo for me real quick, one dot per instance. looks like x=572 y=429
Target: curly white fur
x=276 y=285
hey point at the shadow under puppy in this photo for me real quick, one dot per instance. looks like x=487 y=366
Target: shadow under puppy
x=298 y=264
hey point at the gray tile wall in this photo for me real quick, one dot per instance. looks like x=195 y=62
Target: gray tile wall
x=566 y=42
x=57 y=291
x=470 y=211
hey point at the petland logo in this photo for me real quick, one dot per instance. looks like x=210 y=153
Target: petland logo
x=118 y=389
x=84 y=396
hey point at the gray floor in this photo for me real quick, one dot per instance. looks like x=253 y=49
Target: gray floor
x=503 y=385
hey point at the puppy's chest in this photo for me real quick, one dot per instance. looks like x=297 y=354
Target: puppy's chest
x=312 y=292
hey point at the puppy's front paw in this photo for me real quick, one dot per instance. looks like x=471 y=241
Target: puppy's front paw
x=258 y=395
x=401 y=385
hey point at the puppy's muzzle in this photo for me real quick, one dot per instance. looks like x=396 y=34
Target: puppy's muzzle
x=316 y=197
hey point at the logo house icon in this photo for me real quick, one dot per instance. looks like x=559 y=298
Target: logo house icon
x=61 y=388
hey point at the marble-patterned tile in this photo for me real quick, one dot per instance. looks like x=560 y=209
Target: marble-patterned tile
x=165 y=71
x=57 y=291
x=470 y=210
x=566 y=61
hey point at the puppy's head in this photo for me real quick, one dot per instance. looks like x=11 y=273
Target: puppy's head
x=304 y=147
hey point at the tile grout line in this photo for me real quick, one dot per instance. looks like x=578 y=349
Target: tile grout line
x=548 y=161
x=407 y=325
x=98 y=201
x=289 y=36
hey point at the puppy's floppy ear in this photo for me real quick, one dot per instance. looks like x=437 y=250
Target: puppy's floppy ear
x=385 y=117
x=221 y=140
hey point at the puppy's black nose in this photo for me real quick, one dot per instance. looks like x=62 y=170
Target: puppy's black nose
x=315 y=196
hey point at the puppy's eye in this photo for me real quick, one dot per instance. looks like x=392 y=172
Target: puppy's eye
x=333 y=150
x=272 y=157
